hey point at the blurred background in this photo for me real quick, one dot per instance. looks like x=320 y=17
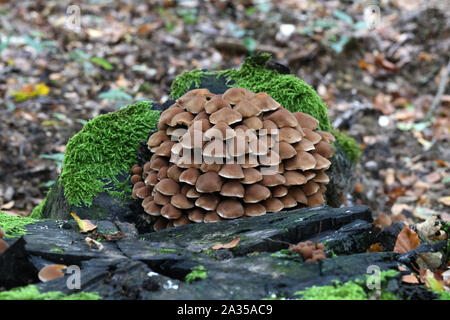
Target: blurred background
x=381 y=67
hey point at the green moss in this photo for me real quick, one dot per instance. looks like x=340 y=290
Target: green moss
x=13 y=226
x=198 y=272
x=183 y=82
x=350 y=290
x=349 y=145
x=443 y=295
x=105 y=147
x=167 y=250
x=32 y=293
x=37 y=211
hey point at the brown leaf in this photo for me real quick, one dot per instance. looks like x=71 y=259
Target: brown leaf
x=407 y=240
x=410 y=278
x=84 y=225
x=382 y=221
x=376 y=247
x=233 y=243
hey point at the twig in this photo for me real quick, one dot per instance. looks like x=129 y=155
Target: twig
x=440 y=92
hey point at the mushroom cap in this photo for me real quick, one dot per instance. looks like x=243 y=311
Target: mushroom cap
x=321 y=177
x=160 y=224
x=181 y=221
x=254 y=209
x=279 y=191
x=167 y=187
x=136 y=178
x=153 y=209
x=144 y=192
x=290 y=135
x=180 y=201
x=282 y=118
x=220 y=131
x=326 y=136
x=321 y=162
x=160 y=199
x=195 y=104
x=215 y=104
x=230 y=209
x=272 y=180
x=164 y=148
x=167 y=115
x=312 y=136
x=325 y=149
x=294 y=178
x=189 y=176
x=159 y=162
x=136 y=169
x=306 y=121
x=302 y=160
x=192 y=193
x=232 y=171
x=265 y=102
x=298 y=194
x=315 y=200
x=211 y=216
x=310 y=188
x=233 y=189
x=162 y=173
x=253 y=123
x=207 y=201
x=255 y=193
x=51 y=272
x=174 y=173
x=196 y=215
x=304 y=145
x=273 y=205
x=236 y=95
x=288 y=201
x=286 y=150
x=216 y=149
x=157 y=138
x=209 y=182
x=227 y=115
x=247 y=109
x=183 y=118
x=251 y=175
x=169 y=211
x=210 y=167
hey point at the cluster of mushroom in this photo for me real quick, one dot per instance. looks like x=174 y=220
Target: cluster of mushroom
x=225 y=156
x=310 y=252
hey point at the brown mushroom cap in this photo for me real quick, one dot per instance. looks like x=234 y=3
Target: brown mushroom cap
x=168 y=187
x=279 y=191
x=157 y=138
x=210 y=167
x=153 y=209
x=233 y=189
x=282 y=118
x=327 y=136
x=180 y=201
x=160 y=199
x=167 y=115
x=265 y=102
x=209 y=182
x=255 y=193
x=215 y=104
x=51 y=272
x=286 y=150
x=254 y=209
x=181 y=221
x=236 y=95
x=136 y=169
x=298 y=194
x=160 y=224
x=272 y=180
x=310 y=188
x=288 y=201
x=211 y=216
x=321 y=162
x=253 y=123
x=227 y=115
x=189 y=176
x=169 y=211
x=302 y=160
x=312 y=136
x=195 y=104
x=304 y=145
x=230 y=209
x=251 y=175
x=232 y=171
x=192 y=193
x=196 y=215
x=290 y=135
x=247 y=109
x=315 y=200
x=321 y=177
x=306 y=121
x=220 y=131
x=207 y=201
x=273 y=205
x=294 y=178
x=325 y=149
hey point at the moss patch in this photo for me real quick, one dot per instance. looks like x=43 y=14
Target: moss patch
x=37 y=211
x=32 y=293
x=350 y=290
x=291 y=92
x=197 y=273
x=13 y=226
x=105 y=147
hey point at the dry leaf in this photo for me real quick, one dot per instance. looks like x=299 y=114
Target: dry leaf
x=445 y=200
x=50 y=272
x=407 y=240
x=410 y=278
x=84 y=225
x=3 y=246
x=382 y=221
x=376 y=247
x=93 y=243
x=233 y=243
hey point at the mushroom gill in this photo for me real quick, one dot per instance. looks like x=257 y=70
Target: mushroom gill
x=232 y=155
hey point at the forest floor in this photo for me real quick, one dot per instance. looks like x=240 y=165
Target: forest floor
x=379 y=84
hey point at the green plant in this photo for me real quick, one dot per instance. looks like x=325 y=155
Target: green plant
x=14 y=226
x=31 y=292
x=198 y=272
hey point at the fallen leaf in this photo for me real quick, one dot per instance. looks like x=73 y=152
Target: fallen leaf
x=407 y=240
x=410 y=278
x=445 y=200
x=382 y=221
x=30 y=91
x=93 y=243
x=84 y=225
x=233 y=243
x=432 y=283
x=3 y=246
x=376 y=247
x=51 y=271
x=8 y=205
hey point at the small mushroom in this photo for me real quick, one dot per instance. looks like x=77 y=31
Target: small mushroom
x=273 y=205
x=227 y=115
x=196 y=215
x=251 y=175
x=232 y=189
x=209 y=182
x=207 y=201
x=180 y=201
x=211 y=216
x=282 y=118
x=254 y=209
x=230 y=209
x=51 y=272
x=232 y=171
x=189 y=176
x=169 y=211
x=294 y=178
x=255 y=193
x=247 y=109
x=168 y=187
x=306 y=121
x=236 y=95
